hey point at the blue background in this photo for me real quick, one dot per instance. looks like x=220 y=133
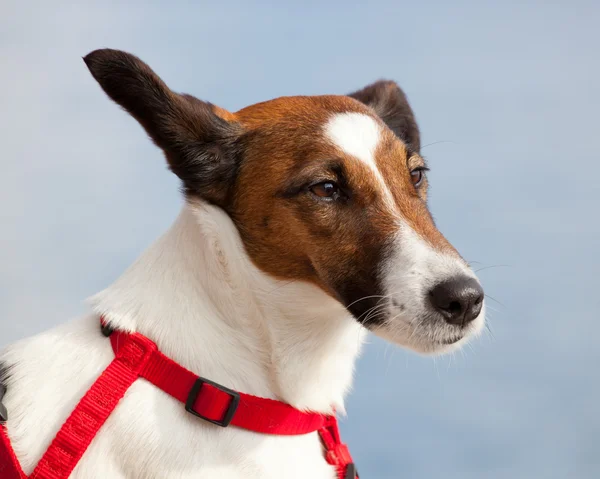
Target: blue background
x=507 y=96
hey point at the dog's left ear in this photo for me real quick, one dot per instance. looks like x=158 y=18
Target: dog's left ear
x=200 y=143
x=391 y=105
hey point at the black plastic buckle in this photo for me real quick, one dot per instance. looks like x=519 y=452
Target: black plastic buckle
x=195 y=391
x=3 y=411
x=351 y=472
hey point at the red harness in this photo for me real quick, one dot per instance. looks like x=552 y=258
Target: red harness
x=138 y=357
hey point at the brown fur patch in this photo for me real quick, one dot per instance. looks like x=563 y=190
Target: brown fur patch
x=410 y=201
x=259 y=165
x=338 y=245
x=224 y=114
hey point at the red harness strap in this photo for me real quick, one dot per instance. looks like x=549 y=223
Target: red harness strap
x=136 y=356
x=9 y=464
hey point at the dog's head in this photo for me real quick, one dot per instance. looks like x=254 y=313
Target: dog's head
x=328 y=189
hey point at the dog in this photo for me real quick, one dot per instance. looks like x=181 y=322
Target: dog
x=305 y=225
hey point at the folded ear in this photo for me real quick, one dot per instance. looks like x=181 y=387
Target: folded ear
x=200 y=146
x=390 y=103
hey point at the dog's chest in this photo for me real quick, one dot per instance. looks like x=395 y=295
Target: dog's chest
x=149 y=435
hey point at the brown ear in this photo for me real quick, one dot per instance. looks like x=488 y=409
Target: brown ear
x=391 y=105
x=199 y=145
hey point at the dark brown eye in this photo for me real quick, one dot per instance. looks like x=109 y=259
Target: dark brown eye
x=327 y=189
x=416 y=176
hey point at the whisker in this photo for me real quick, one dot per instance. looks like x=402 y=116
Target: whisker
x=389 y=362
x=437 y=143
x=371 y=317
x=489 y=329
x=494 y=299
x=368 y=297
x=493 y=266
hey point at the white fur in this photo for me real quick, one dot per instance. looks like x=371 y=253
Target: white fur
x=414 y=266
x=411 y=271
x=197 y=294
x=358 y=135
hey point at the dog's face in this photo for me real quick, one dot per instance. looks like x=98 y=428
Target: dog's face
x=330 y=190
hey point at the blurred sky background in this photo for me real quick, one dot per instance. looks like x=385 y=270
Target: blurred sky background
x=507 y=96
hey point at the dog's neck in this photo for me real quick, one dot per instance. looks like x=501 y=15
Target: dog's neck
x=196 y=293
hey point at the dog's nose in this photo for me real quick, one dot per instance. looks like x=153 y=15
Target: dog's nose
x=459 y=300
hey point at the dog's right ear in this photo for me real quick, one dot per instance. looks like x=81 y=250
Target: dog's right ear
x=200 y=146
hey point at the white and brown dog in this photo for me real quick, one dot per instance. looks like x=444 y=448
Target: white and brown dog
x=305 y=225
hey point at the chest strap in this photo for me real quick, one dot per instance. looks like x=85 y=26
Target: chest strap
x=138 y=357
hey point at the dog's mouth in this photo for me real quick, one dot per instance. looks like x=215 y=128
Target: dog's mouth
x=452 y=340
x=421 y=331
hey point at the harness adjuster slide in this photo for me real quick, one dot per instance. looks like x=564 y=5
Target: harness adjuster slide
x=3 y=411
x=195 y=392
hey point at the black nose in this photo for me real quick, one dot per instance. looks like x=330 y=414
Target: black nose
x=458 y=300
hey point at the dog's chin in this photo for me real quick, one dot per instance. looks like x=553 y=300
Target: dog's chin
x=427 y=336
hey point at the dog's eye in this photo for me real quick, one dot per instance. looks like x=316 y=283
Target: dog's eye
x=417 y=175
x=326 y=189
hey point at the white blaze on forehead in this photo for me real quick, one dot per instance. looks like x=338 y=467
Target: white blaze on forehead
x=358 y=135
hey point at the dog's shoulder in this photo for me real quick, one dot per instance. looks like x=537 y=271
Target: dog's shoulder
x=45 y=376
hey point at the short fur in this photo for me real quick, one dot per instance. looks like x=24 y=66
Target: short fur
x=265 y=283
